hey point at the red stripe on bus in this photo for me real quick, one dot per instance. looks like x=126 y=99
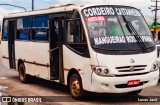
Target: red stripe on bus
x=39 y=64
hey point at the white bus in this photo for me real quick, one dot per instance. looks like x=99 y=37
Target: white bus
x=96 y=48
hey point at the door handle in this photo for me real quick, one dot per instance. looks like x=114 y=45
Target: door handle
x=53 y=49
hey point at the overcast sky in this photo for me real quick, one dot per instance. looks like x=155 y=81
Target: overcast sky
x=40 y=4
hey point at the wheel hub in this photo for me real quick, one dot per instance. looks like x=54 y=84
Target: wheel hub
x=75 y=88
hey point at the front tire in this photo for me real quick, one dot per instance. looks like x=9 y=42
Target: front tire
x=75 y=86
x=22 y=73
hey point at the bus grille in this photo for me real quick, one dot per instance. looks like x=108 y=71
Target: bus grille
x=131 y=68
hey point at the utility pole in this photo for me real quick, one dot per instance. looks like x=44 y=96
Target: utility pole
x=155 y=18
x=32 y=5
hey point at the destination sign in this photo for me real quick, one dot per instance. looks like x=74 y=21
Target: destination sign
x=120 y=39
x=106 y=10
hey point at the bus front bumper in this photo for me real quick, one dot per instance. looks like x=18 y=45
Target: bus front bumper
x=119 y=84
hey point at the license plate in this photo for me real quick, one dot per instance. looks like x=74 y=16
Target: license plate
x=133 y=82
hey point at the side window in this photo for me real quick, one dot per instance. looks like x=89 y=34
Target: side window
x=23 y=28
x=70 y=31
x=5 y=28
x=75 y=34
x=40 y=28
x=75 y=31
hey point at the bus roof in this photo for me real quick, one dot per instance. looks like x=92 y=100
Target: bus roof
x=41 y=11
x=53 y=9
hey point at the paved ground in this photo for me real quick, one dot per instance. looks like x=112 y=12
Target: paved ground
x=10 y=84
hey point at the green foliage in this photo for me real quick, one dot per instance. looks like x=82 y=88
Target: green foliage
x=152 y=26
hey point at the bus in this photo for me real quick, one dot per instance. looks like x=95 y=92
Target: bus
x=89 y=47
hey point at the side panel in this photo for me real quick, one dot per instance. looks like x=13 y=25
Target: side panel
x=35 y=56
x=73 y=60
x=4 y=53
x=72 y=57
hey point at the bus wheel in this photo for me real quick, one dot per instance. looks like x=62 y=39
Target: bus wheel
x=135 y=92
x=22 y=73
x=75 y=86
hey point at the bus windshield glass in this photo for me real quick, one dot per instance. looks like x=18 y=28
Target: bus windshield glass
x=117 y=28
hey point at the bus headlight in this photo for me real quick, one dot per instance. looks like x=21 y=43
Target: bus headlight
x=154 y=67
x=102 y=71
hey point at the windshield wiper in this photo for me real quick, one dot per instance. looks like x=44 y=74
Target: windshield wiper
x=134 y=33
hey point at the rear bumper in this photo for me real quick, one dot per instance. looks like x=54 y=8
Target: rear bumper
x=109 y=84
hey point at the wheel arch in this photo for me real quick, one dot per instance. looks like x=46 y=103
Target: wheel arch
x=20 y=61
x=71 y=72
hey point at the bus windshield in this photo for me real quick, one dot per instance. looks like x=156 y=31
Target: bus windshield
x=117 y=28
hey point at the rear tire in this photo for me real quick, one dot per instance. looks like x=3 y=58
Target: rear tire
x=24 y=78
x=135 y=92
x=75 y=86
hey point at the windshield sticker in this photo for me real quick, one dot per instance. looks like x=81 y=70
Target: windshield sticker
x=127 y=11
x=95 y=19
x=146 y=38
x=109 y=39
x=98 y=11
x=119 y=39
x=132 y=39
x=103 y=11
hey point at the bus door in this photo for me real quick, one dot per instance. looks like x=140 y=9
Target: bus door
x=56 y=52
x=11 y=45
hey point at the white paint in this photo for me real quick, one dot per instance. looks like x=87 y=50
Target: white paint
x=36 y=52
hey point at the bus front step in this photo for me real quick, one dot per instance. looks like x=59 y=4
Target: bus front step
x=54 y=78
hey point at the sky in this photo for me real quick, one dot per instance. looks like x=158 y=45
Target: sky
x=41 y=4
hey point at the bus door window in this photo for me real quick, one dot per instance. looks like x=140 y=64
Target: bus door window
x=56 y=26
x=55 y=29
x=55 y=33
